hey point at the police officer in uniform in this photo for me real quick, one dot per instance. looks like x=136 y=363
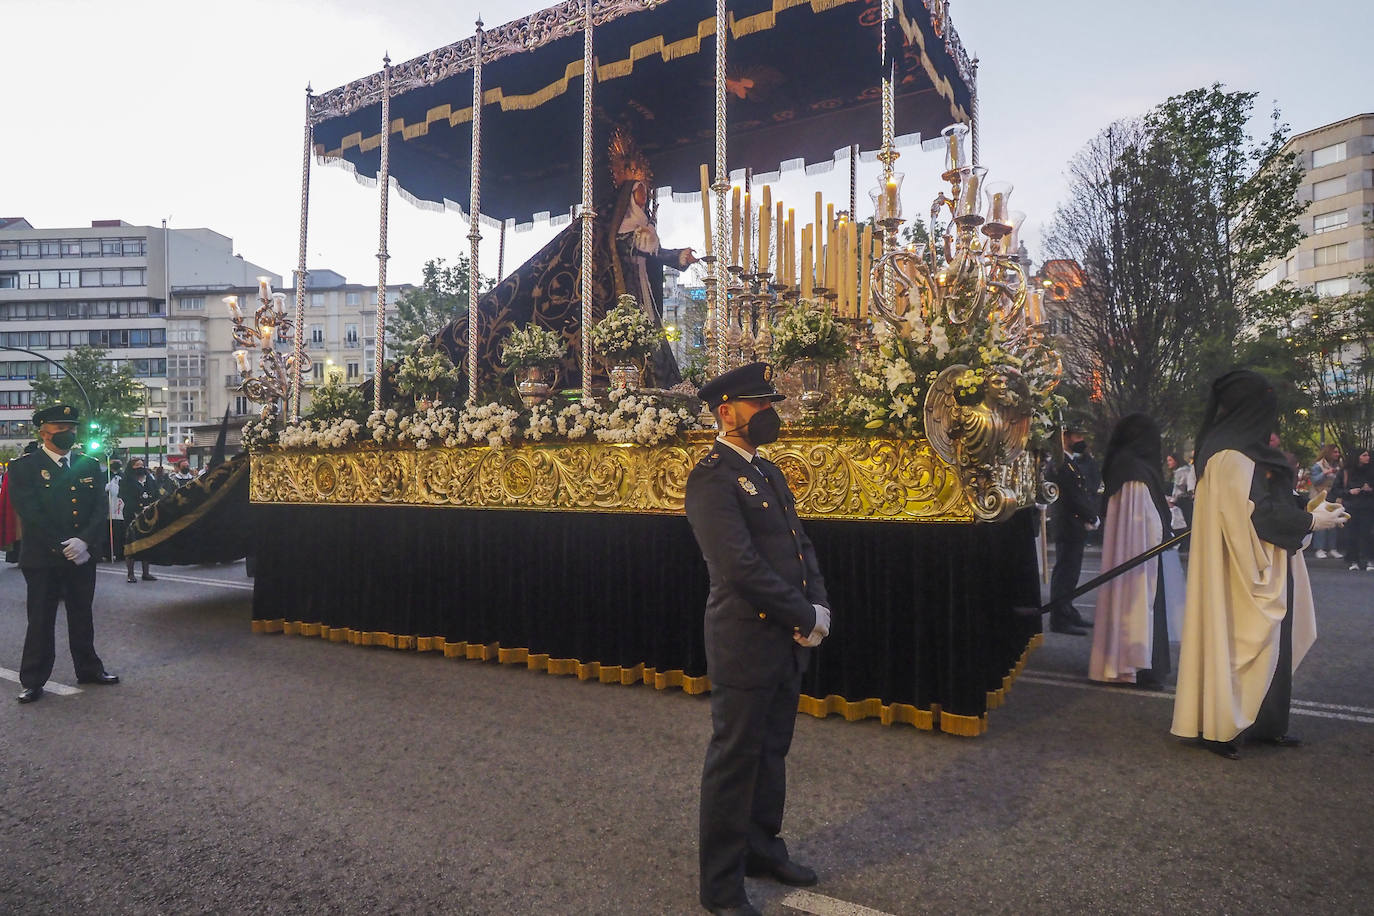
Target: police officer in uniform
x=1075 y=514
x=61 y=502
x=767 y=607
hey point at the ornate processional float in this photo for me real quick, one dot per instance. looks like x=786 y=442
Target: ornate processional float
x=919 y=361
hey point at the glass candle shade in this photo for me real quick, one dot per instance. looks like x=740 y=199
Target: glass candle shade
x=998 y=194
x=956 y=149
x=241 y=360
x=232 y=304
x=1012 y=243
x=887 y=197
x=968 y=209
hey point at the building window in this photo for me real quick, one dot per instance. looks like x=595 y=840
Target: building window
x=350 y=335
x=354 y=298
x=1329 y=188
x=317 y=299
x=1329 y=254
x=9 y=281
x=1337 y=287
x=1325 y=222
x=1328 y=155
x=317 y=333
x=317 y=372
x=241 y=405
x=191 y=303
x=352 y=371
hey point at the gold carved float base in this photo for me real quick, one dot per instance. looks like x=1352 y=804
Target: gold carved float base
x=834 y=476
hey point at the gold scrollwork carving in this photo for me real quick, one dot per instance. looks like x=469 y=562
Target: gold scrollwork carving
x=833 y=475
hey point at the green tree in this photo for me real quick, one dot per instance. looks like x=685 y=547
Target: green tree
x=1322 y=350
x=440 y=298
x=116 y=397
x=1172 y=217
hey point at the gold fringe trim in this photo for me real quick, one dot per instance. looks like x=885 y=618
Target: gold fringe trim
x=999 y=696
x=967 y=726
x=650 y=47
x=820 y=708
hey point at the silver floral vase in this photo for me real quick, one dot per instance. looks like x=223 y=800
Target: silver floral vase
x=534 y=385
x=811 y=373
x=624 y=374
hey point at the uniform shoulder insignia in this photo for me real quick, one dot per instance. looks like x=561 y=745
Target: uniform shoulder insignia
x=711 y=460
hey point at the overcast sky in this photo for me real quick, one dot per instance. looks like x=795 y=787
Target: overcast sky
x=145 y=110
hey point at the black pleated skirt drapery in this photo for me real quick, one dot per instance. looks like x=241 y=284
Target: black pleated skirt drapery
x=922 y=612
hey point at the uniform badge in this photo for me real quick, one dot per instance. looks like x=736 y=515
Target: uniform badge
x=88 y=480
x=45 y=475
x=747 y=486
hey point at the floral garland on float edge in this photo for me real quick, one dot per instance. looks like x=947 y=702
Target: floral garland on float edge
x=883 y=380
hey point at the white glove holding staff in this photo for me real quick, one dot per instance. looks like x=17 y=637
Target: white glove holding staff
x=1328 y=516
x=820 y=631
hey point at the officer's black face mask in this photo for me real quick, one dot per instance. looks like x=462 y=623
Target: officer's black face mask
x=763 y=427
x=64 y=440
x=1079 y=448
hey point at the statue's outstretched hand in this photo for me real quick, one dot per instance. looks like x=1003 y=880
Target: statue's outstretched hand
x=687 y=258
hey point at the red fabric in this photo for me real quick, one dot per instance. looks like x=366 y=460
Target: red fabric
x=9 y=522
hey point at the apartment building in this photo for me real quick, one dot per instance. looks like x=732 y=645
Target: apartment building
x=103 y=285
x=1339 y=184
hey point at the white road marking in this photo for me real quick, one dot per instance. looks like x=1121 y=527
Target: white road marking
x=195 y=580
x=1296 y=707
x=820 y=905
x=61 y=690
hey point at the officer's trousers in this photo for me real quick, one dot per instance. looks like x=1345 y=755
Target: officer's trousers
x=48 y=585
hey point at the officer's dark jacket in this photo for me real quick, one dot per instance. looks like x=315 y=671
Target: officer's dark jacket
x=764 y=575
x=55 y=504
x=137 y=496
x=1078 y=479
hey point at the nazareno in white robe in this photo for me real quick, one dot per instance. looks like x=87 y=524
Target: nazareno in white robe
x=1237 y=595
x=1123 y=624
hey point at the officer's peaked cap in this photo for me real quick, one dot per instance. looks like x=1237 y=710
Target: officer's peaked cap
x=56 y=413
x=754 y=380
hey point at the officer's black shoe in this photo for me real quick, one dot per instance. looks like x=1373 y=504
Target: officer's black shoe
x=149 y=577
x=30 y=694
x=788 y=872
x=745 y=909
x=1080 y=621
x=132 y=579
x=1064 y=626
x=103 y=677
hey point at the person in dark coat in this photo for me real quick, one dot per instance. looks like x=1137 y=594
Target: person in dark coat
x=138 y=490
x=1075 y=514
x=767 y=608
x=60 y=499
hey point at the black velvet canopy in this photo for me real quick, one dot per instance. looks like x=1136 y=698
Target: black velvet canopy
x=803 y=76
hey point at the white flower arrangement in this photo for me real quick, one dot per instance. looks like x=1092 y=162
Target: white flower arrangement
x=260 y=432
x=427 y=370
x=531 y=346
x=808 y=330
x=319 y=433
x=642 y=419
x=626 y=333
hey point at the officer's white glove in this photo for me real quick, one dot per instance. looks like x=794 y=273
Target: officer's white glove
x=82 y=558
x=1328 y=516
x=822 y=620
x=1306 y=541
x=73 y=547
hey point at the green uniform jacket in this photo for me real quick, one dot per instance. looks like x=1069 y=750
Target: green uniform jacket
x=55 y=505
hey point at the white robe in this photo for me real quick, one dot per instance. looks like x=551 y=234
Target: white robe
x=1237 y=596
x=1123 y=625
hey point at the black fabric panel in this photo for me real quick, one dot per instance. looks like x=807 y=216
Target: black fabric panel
x=922 y=612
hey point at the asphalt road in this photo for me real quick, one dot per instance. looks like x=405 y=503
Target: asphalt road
x=234 y=773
